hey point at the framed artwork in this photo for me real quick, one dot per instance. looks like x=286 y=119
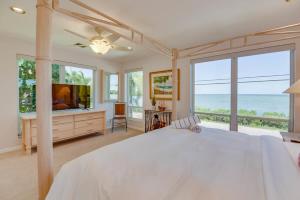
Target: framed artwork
x=161 y=85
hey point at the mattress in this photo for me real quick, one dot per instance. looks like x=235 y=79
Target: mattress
x=179 y=164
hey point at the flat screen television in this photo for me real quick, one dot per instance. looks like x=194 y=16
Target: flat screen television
x=66 y=96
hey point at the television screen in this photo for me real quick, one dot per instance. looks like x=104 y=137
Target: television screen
x=66 y=96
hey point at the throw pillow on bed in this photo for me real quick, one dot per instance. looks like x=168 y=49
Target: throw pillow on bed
x=196 y=128
x=186 y=123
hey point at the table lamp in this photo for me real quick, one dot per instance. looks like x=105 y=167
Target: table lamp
x=294 y=89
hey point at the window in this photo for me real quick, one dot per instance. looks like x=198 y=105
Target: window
x=27 y=81
x=134 y=94
x=60 y=74
x=111 y=86
x=244 y=92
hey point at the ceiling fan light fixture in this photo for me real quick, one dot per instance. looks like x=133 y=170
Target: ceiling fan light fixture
x=99 y=47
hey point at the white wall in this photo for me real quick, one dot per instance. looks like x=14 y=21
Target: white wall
x=10 y=48
x=158 y=62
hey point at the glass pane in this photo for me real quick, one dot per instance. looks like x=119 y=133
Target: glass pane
x=80 y=76
x=263 y=108
x=27 y=80
x=112 y=86
x=212 y=92
x=135 y=94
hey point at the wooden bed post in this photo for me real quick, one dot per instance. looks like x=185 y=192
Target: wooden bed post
x=44 y=96
x=174 y=83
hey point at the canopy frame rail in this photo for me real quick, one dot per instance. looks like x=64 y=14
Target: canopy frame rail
x=269 y=36
x=110 y=24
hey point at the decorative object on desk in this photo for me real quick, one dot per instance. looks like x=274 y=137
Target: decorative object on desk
x=153 y=102
x=156 y=122
x=162 y=106
x=186 y=122
x=294 y=89
x=161 y=85
x=157 y=119
x=119 y=118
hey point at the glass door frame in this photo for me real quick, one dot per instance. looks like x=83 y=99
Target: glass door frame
x=234 y=79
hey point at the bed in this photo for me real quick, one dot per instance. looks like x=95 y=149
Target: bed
x=178 y=164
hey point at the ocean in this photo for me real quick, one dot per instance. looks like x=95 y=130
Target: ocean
x=260 y=103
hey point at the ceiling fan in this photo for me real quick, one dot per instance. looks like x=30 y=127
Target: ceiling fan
x=103 y=42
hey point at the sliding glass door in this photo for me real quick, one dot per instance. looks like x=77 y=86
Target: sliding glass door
x=244 y=92
x=212 y=92
x=262 y=105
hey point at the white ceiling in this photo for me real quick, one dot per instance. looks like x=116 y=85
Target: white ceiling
x=176 y=23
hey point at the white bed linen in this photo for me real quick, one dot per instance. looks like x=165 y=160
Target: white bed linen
x=178 y=164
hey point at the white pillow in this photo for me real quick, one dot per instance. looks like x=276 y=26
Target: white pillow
x=185 y=123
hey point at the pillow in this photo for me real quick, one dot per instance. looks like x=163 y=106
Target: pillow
x=196 y=128
x=185 y=123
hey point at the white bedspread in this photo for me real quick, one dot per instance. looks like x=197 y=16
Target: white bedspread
x=171 y=164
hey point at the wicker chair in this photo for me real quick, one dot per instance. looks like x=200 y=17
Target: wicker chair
x=119 y=118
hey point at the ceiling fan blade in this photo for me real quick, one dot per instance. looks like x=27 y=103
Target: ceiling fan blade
x=112 y=38
x=77 y=34
x=121 y=48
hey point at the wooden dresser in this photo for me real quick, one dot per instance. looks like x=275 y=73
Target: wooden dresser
x=65 y=124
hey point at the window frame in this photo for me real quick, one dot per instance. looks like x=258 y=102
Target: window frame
x=234 y=79
x=107 y=87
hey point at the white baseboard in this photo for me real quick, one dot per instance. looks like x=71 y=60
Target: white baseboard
x=10 y=149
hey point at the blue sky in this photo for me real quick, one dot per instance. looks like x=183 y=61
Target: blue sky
x=263 y=65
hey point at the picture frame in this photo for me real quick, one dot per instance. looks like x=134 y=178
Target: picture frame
x=160 y=83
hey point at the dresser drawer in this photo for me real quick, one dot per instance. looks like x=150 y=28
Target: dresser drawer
x=63 y=127
x=89 y=123
x=55 y=120
x=84 y=117
x=86 y=130
x=56 y=129
x=62 y=135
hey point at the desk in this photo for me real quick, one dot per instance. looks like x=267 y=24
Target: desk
x=163 y=116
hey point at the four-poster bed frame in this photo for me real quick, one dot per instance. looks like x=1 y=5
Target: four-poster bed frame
x=45 y=10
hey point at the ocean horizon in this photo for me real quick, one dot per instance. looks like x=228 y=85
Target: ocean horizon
x=260 y=103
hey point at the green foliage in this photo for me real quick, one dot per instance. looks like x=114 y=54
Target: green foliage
x=161 y=79
x=135 y=87
x=26 y=83
x=76 y=77
x=224 y=117
x=245 y=112
x=55 y=73
x=274 y=114
x=27 y=97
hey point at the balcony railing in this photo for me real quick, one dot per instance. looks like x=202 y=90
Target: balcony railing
x=252 y=121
